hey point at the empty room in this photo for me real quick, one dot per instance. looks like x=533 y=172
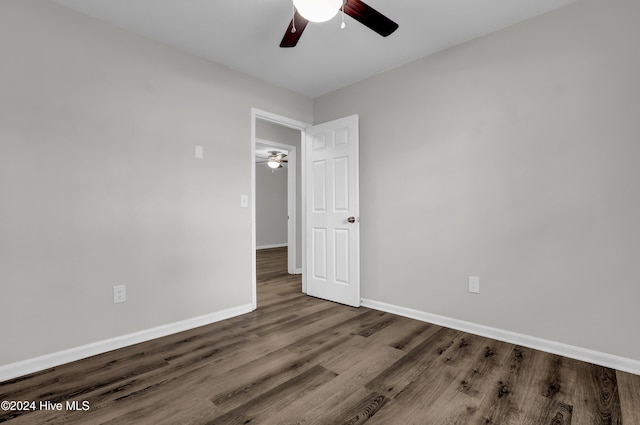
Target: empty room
x=457 y=206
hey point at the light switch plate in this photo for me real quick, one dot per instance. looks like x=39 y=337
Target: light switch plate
x=199 y=152
x=244 y=201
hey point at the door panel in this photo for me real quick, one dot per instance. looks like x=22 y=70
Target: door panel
x=333 y=242
x=318 y=176
x=341 y=239
x=319 y=254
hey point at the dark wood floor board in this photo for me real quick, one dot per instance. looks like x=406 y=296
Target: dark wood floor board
x=209 y=363
x=306 y=317
x=440 y=404
x=278 y=290
x=140 y=397
x=75 y=381
x=184 y=408
x=596 y=399
x=545 y=411
x=404 y=371
x=200 y=377
x=189 y=369
x=302 y=360
x=27 y=387
x=411 y=405
x=143 y=396
x=362 y=410
x=529 y=390
x=380 y=322
x=476 y=375
x=361 y=352
x=237 y=385
x=333 y=402
x=259 y=408
x=539 y=393
x=123 y=384
x=556 y=377
x=355 y=406
x=212 y=348
x=488 y=364
x=68 y=378
x=473 y=363
x=499 y=404
x=253 y=378
x=303 y=338
x=404 y=334
x=274 y=312
x=629 y=390
x=451 y=408
x=364 y=319
x=279 y=278
x=463 y=351
x=428 y=395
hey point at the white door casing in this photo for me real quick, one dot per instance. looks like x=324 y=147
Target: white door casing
x=332 y=211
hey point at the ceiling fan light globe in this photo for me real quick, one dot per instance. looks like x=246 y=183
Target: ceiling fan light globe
x=318 y=10
x=273 y=163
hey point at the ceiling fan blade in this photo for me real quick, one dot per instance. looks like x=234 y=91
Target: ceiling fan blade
x=291 y=38
x=370 y=17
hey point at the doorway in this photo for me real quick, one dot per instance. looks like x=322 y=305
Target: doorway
x=282 y=134
x=277 y=194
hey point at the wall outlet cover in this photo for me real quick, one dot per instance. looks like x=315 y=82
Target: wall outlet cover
x=474 y=284
x=119 y=294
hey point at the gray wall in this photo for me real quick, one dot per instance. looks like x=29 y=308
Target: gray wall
x=513 y=158
x=278 y=133
x=99 y=185
x=271 y=206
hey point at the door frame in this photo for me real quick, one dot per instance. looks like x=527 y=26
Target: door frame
x=286 y=122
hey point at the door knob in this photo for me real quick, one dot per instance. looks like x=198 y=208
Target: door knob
x=351 y=219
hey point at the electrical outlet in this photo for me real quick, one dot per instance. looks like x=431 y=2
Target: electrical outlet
x=119 y=294
x=474 y=284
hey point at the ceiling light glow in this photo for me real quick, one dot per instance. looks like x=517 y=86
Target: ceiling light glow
x=318 y=10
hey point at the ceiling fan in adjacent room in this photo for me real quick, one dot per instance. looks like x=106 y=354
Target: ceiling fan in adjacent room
x=275 y=160
x=306 y=11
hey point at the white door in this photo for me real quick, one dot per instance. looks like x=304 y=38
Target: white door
x=332 y=211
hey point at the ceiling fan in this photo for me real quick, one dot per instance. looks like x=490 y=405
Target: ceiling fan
x=323 y=10
x=275 y=160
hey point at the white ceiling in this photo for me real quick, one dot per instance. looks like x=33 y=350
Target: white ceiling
x=245 y=34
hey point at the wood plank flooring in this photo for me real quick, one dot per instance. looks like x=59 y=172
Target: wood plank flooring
x=300 y=360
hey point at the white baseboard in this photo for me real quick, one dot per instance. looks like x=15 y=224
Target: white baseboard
x=25 y=367
x=299 y=271
x=275 y=245
x=578 y=353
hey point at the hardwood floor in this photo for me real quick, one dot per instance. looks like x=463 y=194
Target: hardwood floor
x=300 y=360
